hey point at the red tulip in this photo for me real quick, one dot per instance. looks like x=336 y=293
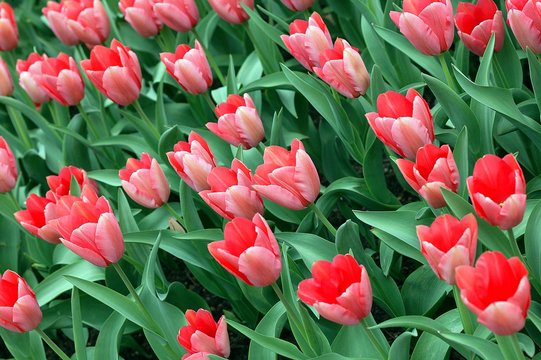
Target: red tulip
x=340 y=290
x=238 y=122
x=75 y=21
x=298 y=5
x=307 y=40
x=115 y=71
x=179 y=15
x=8 y=167
x=140 y=15
x=189 y=67
x=249 y=251
x=19 y=309
x=404 y=123
x=204 y=335
x=449 y=243
x=231 y=194
x=29 y=74
x=144 y=181
x=6 y=81
x=525 y=21
x=288 y=178
x=231 y=10
x=9 y=33
x=61 y=80
x=434 y=168
x=477 y=22
x=343 y=68
x=34 y=221
x=497 y=190
x=91 y=230
x=60 y=184
x=193 y=161
x=497 y=290
x=427 y=24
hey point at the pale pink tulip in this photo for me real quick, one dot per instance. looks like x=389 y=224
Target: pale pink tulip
x=6 y=81
x=140 y=15
x=29 y=73
x=524 y=19
x=61 y=79
x=298 y=5
x=179 y=15
x=231 y=10
x=9 y=32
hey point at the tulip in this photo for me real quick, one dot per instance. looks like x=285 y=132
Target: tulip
x=33 y=219
x=477 y=22
x=20 y=310
x=340 y=290
x=193 y=161
x=307 y=40
x=140 y=15
x=8 y=167
x=525 y=21
x=189 y=67
x=231 y=194
x=434 y=168
x=249 y=251
x=144 y=181
x=115 y=71
x=75 y=21
x=288 y=178
x=60 y=184
x=29 y=73
x=404 y=123
x=449 y=243
x=238 y=122
x=231 y=10
x=6 y=82
x=204 y=335
x=9 y=33
x=343 y=68
x=497 y=190
x=91 y=230
x=298 y=5
x=61 y=80
x=497 y=291
x=179 y=15
x=427 y=24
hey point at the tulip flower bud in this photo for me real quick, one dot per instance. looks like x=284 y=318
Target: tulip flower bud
x=140 y=15
x=179 y=15
x=203 y=335
x=9 y=33
x=231 y=10
x=298 y=5
x=523 y=19
x=497 y=290
x=34 y=221
x=61 y=80
x=29 y=74
x=20 y=309
x=8 y=167
x=6 y=81
x=238 y=122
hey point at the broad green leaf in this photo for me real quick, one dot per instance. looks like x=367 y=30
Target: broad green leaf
x=78 y=335
x=270 y=325
x=108 y=342
x=189 y=210
x=310 y=247
x=461 y=156
x=400 y=347
x=532 y=242
x=23 y=346
x=506 y=65
x=423 y=291
x=107 y=176
x=431 y=347
x=354 y=340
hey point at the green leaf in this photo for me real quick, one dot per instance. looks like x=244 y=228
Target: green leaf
x=271 y=325
x=23 y=346
x=400 y=348
x=189 y=210
x=78 y=335
x=310 y=247
x=532 y=242
x=431 y=347
x=506 y=65
x=265 y=28
x=461 y=156
x=168 y=140
x=355 y=341
x=108 y=342
x=423 y=291
x=108 y=177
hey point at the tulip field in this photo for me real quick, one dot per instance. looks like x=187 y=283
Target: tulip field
x=270 y=179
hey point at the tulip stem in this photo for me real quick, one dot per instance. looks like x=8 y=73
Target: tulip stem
x=374 y=341
x=447 y=73
x=175 y=214
x=146 y=120
x=88 y=121
x=510 y=347
x=210 y=58
x=13 y=200
x=52 y=345
x=210 y=103
x=323 y=218
x=465 y=315
x=130 y=287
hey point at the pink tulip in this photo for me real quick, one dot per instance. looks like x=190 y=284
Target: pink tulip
x=193 y=161
x=34 y=221
x=343 y=68
x=231 y=194
x=74 y=21
x=238 y=122
x=203 y=336
x=9 y=33
x=179 y=15
x=231 y=10
x=298 y=5
x=498 y=190
x=434 y=168
x=60 y=184
x=8 y=167
x=524 y=18
x=427 y=24
x=140 y=15
x=477 y=22
x=61 y=80
x=404 y=123
x=29 y=73
x=144 y=181
x=189 y=67
x=115 y=71
x=307 y=40
x=249 y=251
x=449 y=243
x=19 y=309
x=6 y=81
x=288 y=178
